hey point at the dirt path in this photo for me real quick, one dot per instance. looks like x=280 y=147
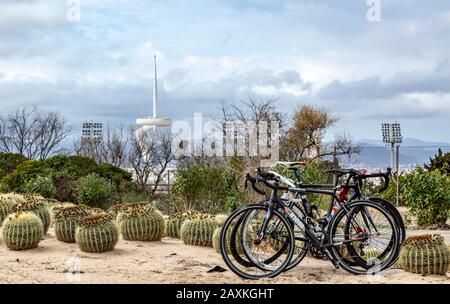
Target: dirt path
x=168 y=261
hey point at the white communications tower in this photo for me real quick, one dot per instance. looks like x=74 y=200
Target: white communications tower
x=154 y=121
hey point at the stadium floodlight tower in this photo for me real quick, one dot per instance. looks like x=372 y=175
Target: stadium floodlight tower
x=153 y=122
x=392 y=135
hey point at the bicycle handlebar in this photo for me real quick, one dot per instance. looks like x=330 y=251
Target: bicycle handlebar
x=264 y=177
x=385 y=175
x=252 y=180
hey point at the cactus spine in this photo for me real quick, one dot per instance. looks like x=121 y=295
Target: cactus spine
x=96 y=233
x=22 y=230
x=425 y=254
x=66 y=221
x=142 y=224
x=37 y=206
x=198 y=230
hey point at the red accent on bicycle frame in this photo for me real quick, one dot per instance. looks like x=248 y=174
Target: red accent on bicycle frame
x=343 y=194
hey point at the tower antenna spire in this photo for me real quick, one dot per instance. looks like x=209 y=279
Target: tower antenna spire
x=155 y=90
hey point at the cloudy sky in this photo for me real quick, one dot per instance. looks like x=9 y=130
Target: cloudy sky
x=300 y=51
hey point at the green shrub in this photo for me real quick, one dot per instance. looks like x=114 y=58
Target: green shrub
x=78 y=166
x=24 y=172
x=428 y=196
x=116 y=175
x=94 y=191
x=9 y=162
x=440 y=162
x=207 y=188
x=65 y=186
x=41 y=185
x=64 y=171
x=390 y=193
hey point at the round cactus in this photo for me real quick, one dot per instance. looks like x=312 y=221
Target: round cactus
x=5 y=208
x=173 y=225
x=425 y=254
x=50 y=203
x=220 y=219
x=96 y=233
x=22 y=230
x=216 y=239
x=117 y=209
x=198 y=230
x=66 y=221
x=36 y=206
x=55 y=208
x=13 y=198
x=142 y=224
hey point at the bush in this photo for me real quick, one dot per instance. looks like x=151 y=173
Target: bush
x=94 y=191
x=428 y=195
x=9 y=162
x=24 y=172
x=234 y=179
x=201 y=187
x=440 y=162
x=116 y=175
x=64 y=171
x=41 y=185
x=65 y=186
x=78 y=166
x=390 y=193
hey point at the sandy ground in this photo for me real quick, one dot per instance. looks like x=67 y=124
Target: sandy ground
x=168 y=261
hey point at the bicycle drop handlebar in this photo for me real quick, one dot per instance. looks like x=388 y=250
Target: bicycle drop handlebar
x=264 y=177
x=385 y=175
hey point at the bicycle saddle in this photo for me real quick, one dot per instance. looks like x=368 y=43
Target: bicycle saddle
x=292 y=165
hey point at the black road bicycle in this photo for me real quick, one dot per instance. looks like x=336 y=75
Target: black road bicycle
x=259 y=241
x=339 y=193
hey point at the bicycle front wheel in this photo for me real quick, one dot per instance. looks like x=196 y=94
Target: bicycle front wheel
x=254 y=239
x=369 y=235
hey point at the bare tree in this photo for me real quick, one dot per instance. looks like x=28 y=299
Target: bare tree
x=111 y=148
x=251 y=113
x=114 y=148
x=341 y=146
x=149 y=155
x=33 y=133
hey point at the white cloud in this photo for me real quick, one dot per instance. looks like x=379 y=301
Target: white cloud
x=22 y=17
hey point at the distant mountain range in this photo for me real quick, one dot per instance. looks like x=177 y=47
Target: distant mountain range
x=413 y=152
